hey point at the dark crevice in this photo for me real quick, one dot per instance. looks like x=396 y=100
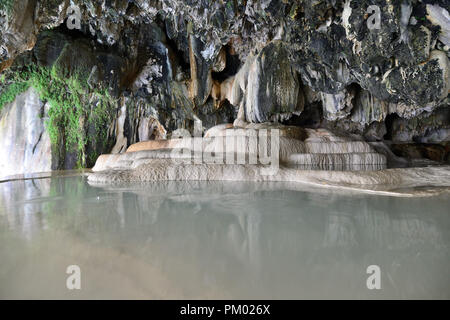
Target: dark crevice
x=36 y=144
x=311 y=117
x=389 y=121
x=176 y=55
x=231 y=68
x=74 y=33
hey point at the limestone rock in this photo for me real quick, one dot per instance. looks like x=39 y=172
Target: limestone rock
x=217 y=130
x=283 y=131
x=154 y=145
x=221 y=61
x=337 y=106
x=18 y=31
x=201 y=80
x=162 y=56
x=430 y=127
x=338 y=161
x=440 y=16
x=385 y=182
x=369 y=109
x=24 y=142
x=150 y=129
x=408 y=82
x=319 y=149
x=240 y=82
x=118 y=127
x=273 y=86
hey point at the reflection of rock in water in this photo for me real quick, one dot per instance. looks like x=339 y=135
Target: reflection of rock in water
x=212 y=232
x=242 y=237
x=340 y=231
x=345 y=222
x=22 y=204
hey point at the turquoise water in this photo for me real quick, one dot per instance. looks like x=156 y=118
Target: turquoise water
x=231 y=240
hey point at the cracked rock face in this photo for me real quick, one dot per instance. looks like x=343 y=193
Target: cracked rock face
x=177 y=62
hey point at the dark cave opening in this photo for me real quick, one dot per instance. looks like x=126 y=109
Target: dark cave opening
x=310 y=117
x=74 y=33
x=177 y=56
x=389 y=122
x=84 y=35
x=233 y=63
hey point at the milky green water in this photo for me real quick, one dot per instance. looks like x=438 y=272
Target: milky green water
x=202 y=240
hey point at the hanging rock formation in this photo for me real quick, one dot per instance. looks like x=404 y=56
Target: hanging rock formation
x=272 y=87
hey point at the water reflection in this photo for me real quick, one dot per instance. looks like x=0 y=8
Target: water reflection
x=218 y=240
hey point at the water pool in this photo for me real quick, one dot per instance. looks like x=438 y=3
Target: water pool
x=201 y=240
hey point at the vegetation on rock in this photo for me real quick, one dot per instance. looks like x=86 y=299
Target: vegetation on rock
x=6 y=5
x=73 y=106
x=11 y=91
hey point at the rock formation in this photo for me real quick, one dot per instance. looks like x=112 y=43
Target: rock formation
x=113 y=73
x=24 y=142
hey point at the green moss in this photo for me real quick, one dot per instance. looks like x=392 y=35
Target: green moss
x=73 y=107
x=65 y=110
x=99 y=120
x=6 y=5
x=9 y=94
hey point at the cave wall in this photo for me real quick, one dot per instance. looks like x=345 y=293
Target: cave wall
x=24 y=142
x=160 y=66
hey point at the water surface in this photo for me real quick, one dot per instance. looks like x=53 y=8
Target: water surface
x=236 y=240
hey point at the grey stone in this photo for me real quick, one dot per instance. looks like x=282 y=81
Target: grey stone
x=24 y=142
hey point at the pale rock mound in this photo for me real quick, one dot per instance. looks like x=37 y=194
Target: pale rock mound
x=314 y=149
x=179 y=160
x=154 y=145
x=393 y=182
